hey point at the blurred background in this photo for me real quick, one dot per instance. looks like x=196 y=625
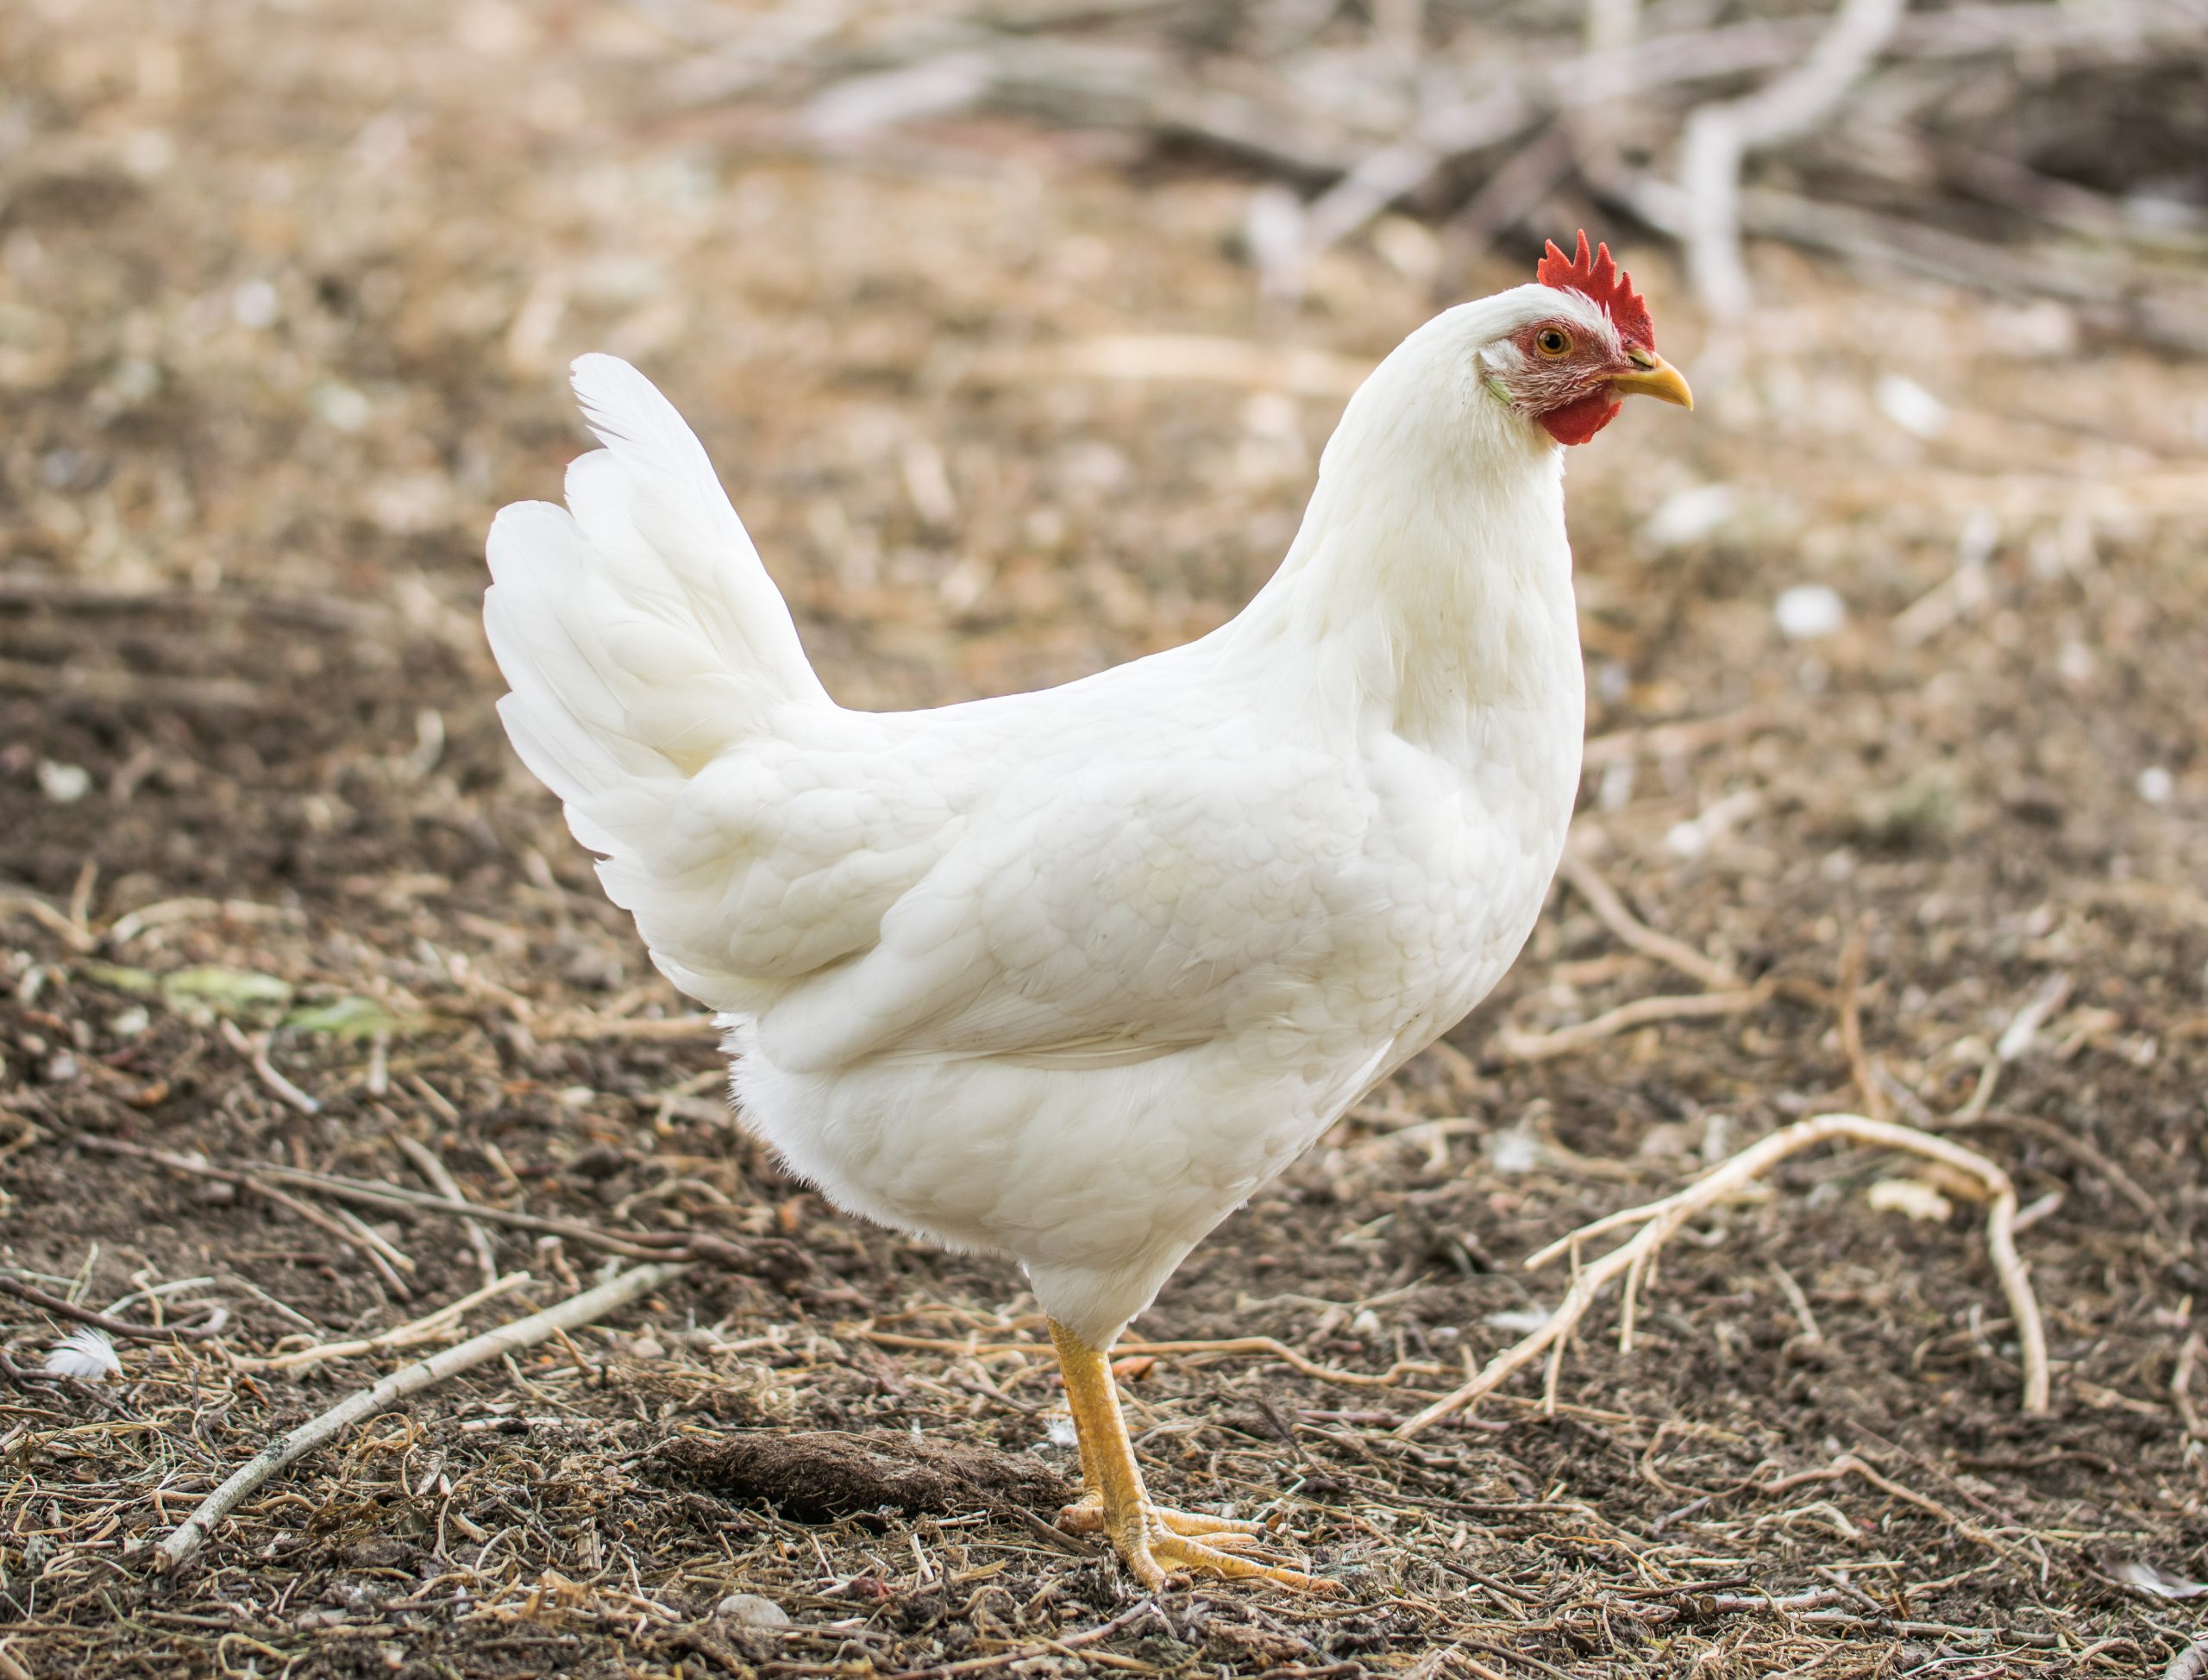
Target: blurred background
x=1014 y=330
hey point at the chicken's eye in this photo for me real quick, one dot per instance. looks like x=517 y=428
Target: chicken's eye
x=1553 y=341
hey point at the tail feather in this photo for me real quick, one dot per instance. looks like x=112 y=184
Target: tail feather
x=638 y=632
x=652 y=498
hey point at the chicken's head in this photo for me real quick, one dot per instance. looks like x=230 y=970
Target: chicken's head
x=1569 y=367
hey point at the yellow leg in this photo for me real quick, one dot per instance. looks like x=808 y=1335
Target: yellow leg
x=1150 y=1541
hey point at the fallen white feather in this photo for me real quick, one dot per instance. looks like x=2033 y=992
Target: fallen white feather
x=87 y=1353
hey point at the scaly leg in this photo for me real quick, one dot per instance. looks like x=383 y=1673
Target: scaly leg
x=1150 y=1540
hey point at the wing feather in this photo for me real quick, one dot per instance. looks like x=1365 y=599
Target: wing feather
x=1131 y=908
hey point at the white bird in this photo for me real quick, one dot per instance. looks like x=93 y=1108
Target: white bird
x=1068 y=976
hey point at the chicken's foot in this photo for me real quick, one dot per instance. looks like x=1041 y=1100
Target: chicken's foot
x=1151 y=1540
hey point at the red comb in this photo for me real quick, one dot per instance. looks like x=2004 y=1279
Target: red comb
x=1603 y=281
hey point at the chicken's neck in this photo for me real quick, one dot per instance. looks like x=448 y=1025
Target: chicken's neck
x=1429 y=590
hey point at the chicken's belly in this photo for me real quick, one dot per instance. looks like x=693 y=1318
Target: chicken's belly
x=1098 y=1180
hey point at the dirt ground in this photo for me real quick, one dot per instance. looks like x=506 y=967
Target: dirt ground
x=285 y=294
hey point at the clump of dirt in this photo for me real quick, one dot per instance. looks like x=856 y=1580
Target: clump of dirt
x=826 y=1474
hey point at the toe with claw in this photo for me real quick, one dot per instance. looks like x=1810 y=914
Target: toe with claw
x=1155 y=1543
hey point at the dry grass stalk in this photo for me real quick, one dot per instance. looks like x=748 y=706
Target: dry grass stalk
x=1660 y=1220
x=671 y=1028
x=1859 y=1066
x=1516 y=1046
x=211 y=1325
x=1260 y=1347
x=124 y=688
x=254 y=1048
x=2188 y=1362
x=367 y=1193
x=429 y=1328
x=431 y=1166
x=570 y=1314
x=1610 y=910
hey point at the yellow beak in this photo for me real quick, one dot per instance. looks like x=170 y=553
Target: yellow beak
x=1652 y=376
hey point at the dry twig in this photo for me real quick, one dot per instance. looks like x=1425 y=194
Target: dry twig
x=2188 y=1362
x=407 y=1335
x=211 y=1326
x=1660 y=1220
x=1261 y=1347
x=2085 y=1153
x=1610 y=910
x=1516 y=1046
x=264 y=1180
x=254 y=1048
x=1859 y=1066
x=431 y=1166
x=1719 y=136
x=77 y=682
x=570 y=1314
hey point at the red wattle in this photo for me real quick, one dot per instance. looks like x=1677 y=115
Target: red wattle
x=1577 y=422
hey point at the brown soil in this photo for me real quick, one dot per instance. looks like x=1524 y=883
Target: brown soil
x=284 y=295
x=821 y=1474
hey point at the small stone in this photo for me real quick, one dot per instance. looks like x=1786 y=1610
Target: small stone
x=750 y=1610
x=1519 y=1320
x=64 y=784
x=255 y=304
x=2155 y=785
x=1810 y=611
x=1910 y=406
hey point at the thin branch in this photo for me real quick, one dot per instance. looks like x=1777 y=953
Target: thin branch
x=2085 y=1153
x=2188 y=1361
x=254 y=1048
x=428 y=1162
x=405 y=1335
x=1238 y=1347
x=211 y=1325
x=651 y=1027
x=1850 y=1028
x=1660 y=1220
x=73 y=594
x=1581 y=875
x=1720 y=135
x=1515 y=1046
x=48 y=916
x=2190 y=1663
x=638 y=1245
x=570 y=1314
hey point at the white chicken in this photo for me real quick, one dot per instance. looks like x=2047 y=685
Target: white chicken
x=1068 y=976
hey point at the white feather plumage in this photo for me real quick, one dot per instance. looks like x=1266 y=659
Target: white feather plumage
x=1069 y=974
